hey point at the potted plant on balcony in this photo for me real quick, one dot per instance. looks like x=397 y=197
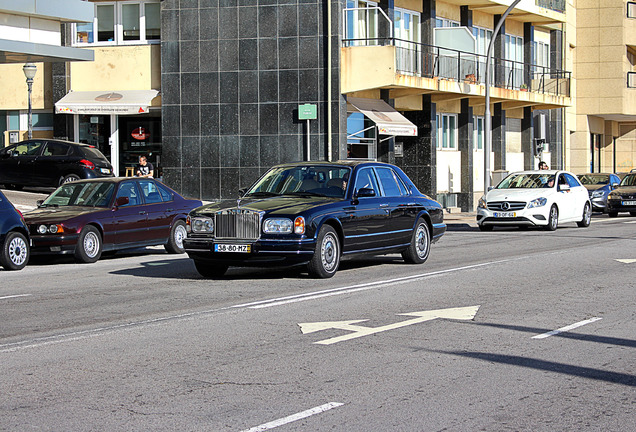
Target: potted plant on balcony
x=523 y=87
x=471 y=79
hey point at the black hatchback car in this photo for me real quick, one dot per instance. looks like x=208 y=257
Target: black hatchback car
x=316 y=213
x=14 y=236
x=50 y=163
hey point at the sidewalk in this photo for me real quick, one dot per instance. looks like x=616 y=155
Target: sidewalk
x=464 y=218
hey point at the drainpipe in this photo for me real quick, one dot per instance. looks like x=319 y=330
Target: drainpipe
x=329 y=78
x=487 y=117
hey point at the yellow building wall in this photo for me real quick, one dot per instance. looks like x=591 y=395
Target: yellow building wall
x=135 y=67
x=14 y=93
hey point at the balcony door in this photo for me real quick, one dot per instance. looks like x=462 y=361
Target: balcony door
x=407 y=34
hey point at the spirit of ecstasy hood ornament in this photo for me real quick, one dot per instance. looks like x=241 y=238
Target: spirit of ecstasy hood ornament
x=238 y=203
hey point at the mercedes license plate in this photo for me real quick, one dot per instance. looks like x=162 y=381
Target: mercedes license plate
x=105 y=170
x=505 y=214
x=629 y=203
x=235 y=248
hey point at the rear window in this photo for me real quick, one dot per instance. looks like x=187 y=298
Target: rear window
x=166 y=195
x=92 y=152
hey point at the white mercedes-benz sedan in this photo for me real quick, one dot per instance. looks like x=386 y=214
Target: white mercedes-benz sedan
x=544 y=198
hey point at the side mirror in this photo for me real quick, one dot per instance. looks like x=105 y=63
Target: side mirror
x=614 y=185
x=39 y=203
x=122 y=201
x=365 y=193
x=242 y=192
x=490 y=188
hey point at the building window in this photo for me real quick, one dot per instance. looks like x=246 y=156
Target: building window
x=446 y=131
x=361 y=137
x=443 y=22
x=478 y=131
x=361 y=23
x=514 y=68
x=121 y=23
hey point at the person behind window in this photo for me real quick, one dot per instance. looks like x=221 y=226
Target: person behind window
x=144 y=168
x=543 y=165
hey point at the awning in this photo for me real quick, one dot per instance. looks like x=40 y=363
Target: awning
x=106 y=102
x=386 y=118
x=24 y=52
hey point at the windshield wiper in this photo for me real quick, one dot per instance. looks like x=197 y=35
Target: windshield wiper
x=49 y=205
x=260 y=194
x=306 y=193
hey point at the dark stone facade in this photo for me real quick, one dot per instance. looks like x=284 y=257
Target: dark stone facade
x=233 y=73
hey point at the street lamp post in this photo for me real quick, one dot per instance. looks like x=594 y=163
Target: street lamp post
x=29 y=70
x=487 y=118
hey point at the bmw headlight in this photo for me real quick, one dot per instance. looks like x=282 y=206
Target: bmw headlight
x=202 y=225
x=51 y=229
x=598 y=194
x=278 y=226
x=482 y=203
x=539 y=202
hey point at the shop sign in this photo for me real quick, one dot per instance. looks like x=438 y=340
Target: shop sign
x=140 y=134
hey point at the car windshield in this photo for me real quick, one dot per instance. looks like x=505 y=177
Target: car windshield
x=629 y=180
x=304 y=180
x=594 y=179
x=527 y=181
x=93 y=194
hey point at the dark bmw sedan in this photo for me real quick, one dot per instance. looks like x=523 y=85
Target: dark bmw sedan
x=316 y=213
x=14 y=237
x=623 y=198
x=598 y=186
x=88 y=217
x=50 y=163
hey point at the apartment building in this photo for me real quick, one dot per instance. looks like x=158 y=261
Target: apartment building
x=217 y=91
x=30 y=32
x=395 y=80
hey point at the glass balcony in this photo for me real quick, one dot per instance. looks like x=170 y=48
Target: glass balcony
x=555 y=5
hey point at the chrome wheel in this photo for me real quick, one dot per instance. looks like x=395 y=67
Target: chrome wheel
x=326 y=258
x=553 y=219
x=329 y=252
x=91 y=244
x=420 y=246
x=18 y=251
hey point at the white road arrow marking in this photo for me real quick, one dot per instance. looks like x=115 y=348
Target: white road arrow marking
x=461 y=313
x=626 y=261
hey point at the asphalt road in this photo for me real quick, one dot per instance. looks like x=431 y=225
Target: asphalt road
x=139 y=341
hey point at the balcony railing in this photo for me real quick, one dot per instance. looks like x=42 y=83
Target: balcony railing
x=555 y=5
x=435 y=62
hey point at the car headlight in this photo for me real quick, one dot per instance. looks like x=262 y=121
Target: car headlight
x=614 y=197
x=482 y=203
x=597 y=194
x=51 y=229
x=284 y=225
x=278 y=226
x=539 y=202
x=202 y=225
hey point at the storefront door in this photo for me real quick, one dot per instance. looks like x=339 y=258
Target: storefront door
x=140 y=135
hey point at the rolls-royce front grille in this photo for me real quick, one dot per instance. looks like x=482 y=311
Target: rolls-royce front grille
x=506 y=205
x=237 y=224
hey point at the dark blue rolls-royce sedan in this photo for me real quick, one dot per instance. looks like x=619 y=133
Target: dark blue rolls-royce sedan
x=315 y=213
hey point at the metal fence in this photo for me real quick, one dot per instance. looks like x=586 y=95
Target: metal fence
x=435 y=62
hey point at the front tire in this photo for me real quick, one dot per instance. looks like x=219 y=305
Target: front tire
x=553 y=219
x=210 y=270
x=175 y=241
x=89 y=245
x=15 y=251
x=420 y=246
x=326 y=259
x=612 y=214
x=587 y=216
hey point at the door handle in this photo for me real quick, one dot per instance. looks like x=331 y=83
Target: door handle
x=142 y=212
x=383 y=205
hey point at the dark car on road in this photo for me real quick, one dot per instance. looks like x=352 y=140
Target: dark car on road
x=623 y=198
x=316 y=213
x=599 y=185
x=88 y=217
x=14 y=236
x=50 y=163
